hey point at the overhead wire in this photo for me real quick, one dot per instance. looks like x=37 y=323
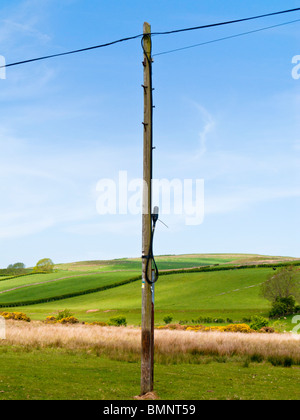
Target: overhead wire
x=212 y=25
x=154 y=34
x=73 y=52
x=150 y=256
x=225 y=38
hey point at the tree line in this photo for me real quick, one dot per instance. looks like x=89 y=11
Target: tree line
x=44 y=265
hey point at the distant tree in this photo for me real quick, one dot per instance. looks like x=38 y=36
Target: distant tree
x=284 y=283
x=284 y=306
x=17 y=268
x=9 y=269
x=45 y=265
x=168 y=319
x=282 y=289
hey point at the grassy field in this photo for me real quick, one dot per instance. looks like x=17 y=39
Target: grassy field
x=57 y=374
x=169 y=262
x=230 y=294
x=91 y=362
x=99 y=364
x=47 y=286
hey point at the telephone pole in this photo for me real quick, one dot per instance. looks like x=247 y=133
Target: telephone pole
x=147 y=356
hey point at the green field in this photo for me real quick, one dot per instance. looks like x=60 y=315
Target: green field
x=169 y=262
x=184 y=295
x=93 y=290
x=52 y=285
x=99 y=290
x=63 y=375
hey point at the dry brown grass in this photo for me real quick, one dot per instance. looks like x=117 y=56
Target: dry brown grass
x=170 y=346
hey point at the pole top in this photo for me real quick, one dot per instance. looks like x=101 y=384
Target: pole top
x=146 y=28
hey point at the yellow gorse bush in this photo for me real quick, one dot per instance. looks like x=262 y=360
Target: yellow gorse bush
x=98 y=323
x=195 y=328
x=17 y=316
x=50 y=320
x=244 y=328
x=68 y=320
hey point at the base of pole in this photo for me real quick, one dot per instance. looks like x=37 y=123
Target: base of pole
x=148 y=396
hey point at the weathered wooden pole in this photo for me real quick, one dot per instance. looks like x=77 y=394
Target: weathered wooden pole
x=147 y=356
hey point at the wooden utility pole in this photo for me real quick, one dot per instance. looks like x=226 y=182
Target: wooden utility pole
x=147 y=356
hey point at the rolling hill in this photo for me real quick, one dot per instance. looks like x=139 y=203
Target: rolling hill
x=223 y=286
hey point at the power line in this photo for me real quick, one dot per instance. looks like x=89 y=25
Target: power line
x=227 y=23
x=73 y=52
x=226 y=37
x=153 y=33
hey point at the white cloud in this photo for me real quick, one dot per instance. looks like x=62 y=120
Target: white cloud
x=21 y=84
x=35 y=220
x=242 y=199
x=22 y=20
x=117 y=227
x=12 y=230
x=209 y=125
x=10 y=27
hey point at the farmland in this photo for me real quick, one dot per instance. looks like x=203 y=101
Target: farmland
x=81 y=376
x=223 y=288
x=188 y=365
x=95 y=290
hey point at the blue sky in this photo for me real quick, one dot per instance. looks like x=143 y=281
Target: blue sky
x=227 y=113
